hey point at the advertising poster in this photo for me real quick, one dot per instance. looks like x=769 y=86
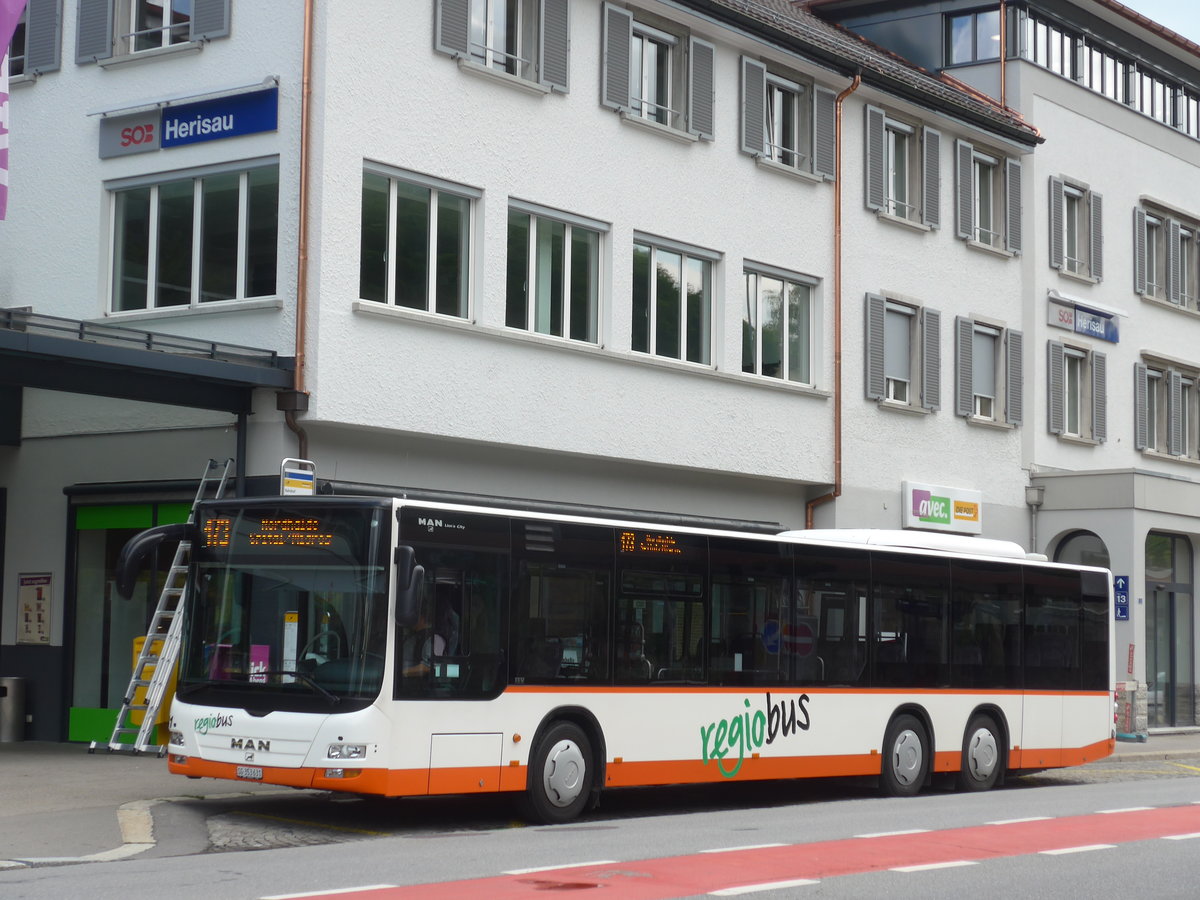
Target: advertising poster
x=33 y=608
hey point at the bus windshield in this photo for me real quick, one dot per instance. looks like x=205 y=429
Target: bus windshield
x=287 y=607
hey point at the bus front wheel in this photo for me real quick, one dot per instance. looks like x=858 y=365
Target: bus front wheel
x=561 y=771
x=982 y=757
x=905 y=757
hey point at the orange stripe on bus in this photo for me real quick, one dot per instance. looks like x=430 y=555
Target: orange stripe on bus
x=623 y=772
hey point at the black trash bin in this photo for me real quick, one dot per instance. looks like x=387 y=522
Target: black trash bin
x=12 y=709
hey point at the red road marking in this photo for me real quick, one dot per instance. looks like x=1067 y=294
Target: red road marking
x=681 y=876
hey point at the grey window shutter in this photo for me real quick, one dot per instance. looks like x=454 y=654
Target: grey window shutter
x=876 y=310
x=1172 y=260
x=701 y=73
x=554 y=47
x=1139 y=251
x=1099 y=396
x=931 y=359
x=824 y=132
x=43 y=36
x=1056 y=414
x=1014 y=378
x=93 y=38
x=964 y=353
x=873 y=145
x=1174 y=413
x=617 y=40
x=754 y=98
x=964 y=175
x=931 y=178
x=1056 y=222
x=452 y=28
x=1141 y=410
x=1012 y=205
x=210 y=19
x=1096 y=235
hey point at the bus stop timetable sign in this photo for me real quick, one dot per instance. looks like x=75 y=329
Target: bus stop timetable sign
x=297 y=478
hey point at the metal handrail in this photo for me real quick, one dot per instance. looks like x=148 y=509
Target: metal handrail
x=21 y=320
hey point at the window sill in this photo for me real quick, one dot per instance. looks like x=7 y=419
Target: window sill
x=995 y=424
x=129 y=59
x=1167 y=304
x=23 y=78
x=566 y=345
x=1077 y=439
x=683 y=137
x=988 y=248
x=892 y=219
x=1078 y=276
x=905 y=408
x=197 y=309
x=790 y=171
x=477 y=70
x=1167 y=457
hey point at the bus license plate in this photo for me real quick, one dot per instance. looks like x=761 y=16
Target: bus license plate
x=252 y=772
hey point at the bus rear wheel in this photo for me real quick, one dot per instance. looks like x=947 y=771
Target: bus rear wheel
x=905 y=757
x=982 y=757
x=561 y=771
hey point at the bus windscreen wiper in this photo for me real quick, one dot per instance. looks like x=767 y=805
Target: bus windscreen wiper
x=307 y=679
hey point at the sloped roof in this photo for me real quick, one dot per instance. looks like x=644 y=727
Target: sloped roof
x=796 y=28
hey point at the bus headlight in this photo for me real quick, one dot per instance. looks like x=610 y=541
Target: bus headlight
x=346 y=751
x=176 y=739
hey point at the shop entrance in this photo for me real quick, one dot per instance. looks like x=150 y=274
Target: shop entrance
x=1170 y=632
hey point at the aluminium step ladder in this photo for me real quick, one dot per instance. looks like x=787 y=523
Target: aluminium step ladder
x=156 y=661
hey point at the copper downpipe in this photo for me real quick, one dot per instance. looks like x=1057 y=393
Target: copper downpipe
x=837 y=314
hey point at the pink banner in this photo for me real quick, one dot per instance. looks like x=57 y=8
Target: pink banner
x=10 y=14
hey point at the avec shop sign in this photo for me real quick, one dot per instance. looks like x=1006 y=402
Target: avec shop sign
x=939 y=508
x=190 y=123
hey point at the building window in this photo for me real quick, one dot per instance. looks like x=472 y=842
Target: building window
x=416 y=243
x=108 y=28
x=972 y=37
x=653 y=71
x=1077 y=392
x=1076 y=229
x=777 y=326
x=553 y=279
x=787 y=120
x=195 y=240
x=36 y=45
x=1165 y=258
x=989 y=198
x=672 y=300
x=903 y=168
x=989 y=368
x=1165 y=414
x=527 y=39
x=16 y=47
x=903 y=353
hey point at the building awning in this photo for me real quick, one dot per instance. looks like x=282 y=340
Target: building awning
x=56 y=354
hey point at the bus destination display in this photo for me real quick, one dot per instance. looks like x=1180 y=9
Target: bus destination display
x=275 y=532
x=645 y=542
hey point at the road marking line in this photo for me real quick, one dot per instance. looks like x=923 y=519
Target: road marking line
x=747 y=847
x=880 y=834
x=579 y=865
x=345 y=890
x=1181 y=837
x=1020 y=821
x=1085 y=849
x=927 y=867
x=758 y=888
x=1108 y=812
x=1184 y=766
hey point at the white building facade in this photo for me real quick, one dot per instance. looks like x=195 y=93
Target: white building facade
x=703 y=261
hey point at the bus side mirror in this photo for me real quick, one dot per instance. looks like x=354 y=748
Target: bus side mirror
x=410 y=579
x=133 y=555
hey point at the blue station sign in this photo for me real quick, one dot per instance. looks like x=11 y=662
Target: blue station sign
x=215 y=119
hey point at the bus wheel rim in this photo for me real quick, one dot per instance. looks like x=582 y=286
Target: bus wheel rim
x=907 y=757
x=982 y=754
x=564 y=773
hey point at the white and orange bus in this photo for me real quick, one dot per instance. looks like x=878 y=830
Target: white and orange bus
x=383 y=646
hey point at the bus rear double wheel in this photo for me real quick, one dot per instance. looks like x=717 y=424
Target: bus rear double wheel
x=561 y=773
